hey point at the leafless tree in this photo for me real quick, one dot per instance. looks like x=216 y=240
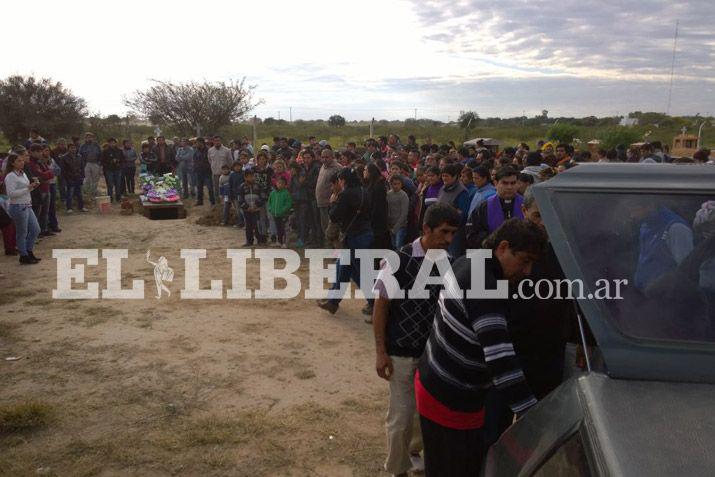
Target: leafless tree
x=194 y=107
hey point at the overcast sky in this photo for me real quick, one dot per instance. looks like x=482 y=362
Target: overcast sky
x=380 y=58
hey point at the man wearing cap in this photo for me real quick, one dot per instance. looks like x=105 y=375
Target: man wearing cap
x=91 y=154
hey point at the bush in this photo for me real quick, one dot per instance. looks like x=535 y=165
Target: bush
x=24 y=417
x=611 y=137
x=564 y=133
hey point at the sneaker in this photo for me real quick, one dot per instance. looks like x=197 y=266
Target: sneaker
x=32 y=256
x=70 y=211
x=328 y=306
x=57 y=230
x=84 y=209
x=284 y=245
x=247 y=244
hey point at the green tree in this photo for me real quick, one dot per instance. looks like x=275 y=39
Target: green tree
x=336 y=120
x=563 y=132
x=194 y=107
x=28 y=102
x=613 y=136
x=468 y=120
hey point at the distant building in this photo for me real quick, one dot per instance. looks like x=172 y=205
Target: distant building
x=629 y=122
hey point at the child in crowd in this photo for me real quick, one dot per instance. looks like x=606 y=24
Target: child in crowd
x=251 y=201
x=235 y=181
x=224 y=191
x=279 y=206
x=397 y=209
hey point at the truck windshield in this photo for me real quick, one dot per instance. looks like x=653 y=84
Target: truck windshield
x=664 y=245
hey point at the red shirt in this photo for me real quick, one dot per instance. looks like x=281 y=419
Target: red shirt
x=435 y=411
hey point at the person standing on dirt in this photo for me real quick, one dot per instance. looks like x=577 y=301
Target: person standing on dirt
x=401 y=328
x=129 y=167
x=72 y=167
x=469 y=350
x=312 y=217
x=219 y=156
x=202 y=169
x=91 y=154
x=323 y=187
x=112 y=159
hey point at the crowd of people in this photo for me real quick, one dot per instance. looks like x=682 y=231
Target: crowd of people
x=459 y=370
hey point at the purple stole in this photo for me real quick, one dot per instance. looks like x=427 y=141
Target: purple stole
x=495 y=214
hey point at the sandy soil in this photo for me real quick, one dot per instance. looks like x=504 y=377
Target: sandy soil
x=182 y=387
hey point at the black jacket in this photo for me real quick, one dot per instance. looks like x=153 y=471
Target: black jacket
x=201 y=161
x=352 y=211
x=378 y=206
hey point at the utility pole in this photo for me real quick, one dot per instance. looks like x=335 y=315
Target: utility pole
x=279 y=115
x=290 y=114
x=415 y=114
x=372 y=125
x=672 y=68
x=255 y=135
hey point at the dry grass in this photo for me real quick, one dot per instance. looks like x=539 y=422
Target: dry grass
x=25 y=416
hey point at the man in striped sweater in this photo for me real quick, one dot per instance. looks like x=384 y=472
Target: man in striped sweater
x=469 y=351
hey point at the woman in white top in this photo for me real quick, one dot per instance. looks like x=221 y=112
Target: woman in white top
x=18 y=188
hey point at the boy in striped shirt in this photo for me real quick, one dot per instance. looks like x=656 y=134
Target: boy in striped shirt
x=469 y=351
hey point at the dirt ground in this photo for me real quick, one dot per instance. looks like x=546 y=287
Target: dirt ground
x=181 y=387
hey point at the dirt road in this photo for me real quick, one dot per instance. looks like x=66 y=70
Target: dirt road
x=181 y=387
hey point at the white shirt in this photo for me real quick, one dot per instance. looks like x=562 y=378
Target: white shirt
x=379 y=288
x=18 y=188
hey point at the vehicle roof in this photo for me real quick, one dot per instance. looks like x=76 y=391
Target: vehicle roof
x=626 y=427
x=635 y=176
x=650 y=427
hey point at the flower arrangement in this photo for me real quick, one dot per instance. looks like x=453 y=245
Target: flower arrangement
x=160 y=188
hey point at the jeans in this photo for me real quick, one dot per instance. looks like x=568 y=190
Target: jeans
x=317 y=234
x=41 y=209
x=91 y=172
x=204 y=178
x=226 y=208
x=303 y=219
x=114 y=183
x=280 y=229
x=251 y=225
x=74 y=188
x=187 y=178
x=52 y=212
x=26 y=227
x=324 y=220
x=127 y=180
x=240 y=219
x=398 y=238
x=352 y=271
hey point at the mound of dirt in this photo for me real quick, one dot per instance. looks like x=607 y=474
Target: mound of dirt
x=212 y=215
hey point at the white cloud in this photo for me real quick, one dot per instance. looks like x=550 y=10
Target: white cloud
x=378 y=58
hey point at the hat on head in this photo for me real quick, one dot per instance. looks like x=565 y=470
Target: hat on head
x=265 y=147
x=323 y=143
